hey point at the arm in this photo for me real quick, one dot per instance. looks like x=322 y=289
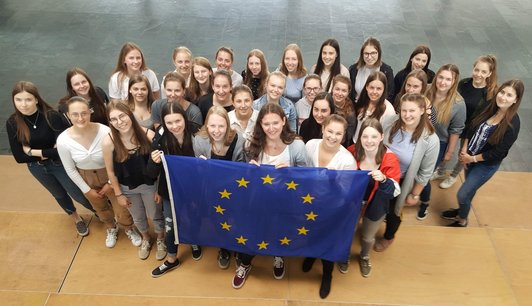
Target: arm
x=453 y=140
x=428 y=160
x=65 y=154
x=292 y=118
x=114 y=93
x=108 y=148
x=299 y=154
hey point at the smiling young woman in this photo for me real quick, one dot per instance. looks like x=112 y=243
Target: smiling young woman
x=329 y=64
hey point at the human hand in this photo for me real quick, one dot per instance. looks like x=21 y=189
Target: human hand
x=156 y=156
x=123 y=201
x=377 y=175
x=281 y=165
x=157 y=198
x=254 y=162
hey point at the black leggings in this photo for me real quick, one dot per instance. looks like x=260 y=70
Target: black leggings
x=392 y=221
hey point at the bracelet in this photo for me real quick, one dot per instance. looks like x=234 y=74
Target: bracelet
x=475 y=159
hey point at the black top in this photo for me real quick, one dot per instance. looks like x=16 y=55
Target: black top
x=400 y=78
x=255 y=83
x=474 y=98
x=310 y=129
x=133 y=171
x=206 y=102
x=229 y=154
x=42 y=137
x=388 y=72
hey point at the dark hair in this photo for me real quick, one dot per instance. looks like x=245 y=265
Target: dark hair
x=248 y=76
x=224 y=73
x=139 y=136
x=492 y=109
x=168 y=141
x=371 y=41
x=491 y=81
x=347 y=109
x=424 y=123
x=420 y=49
x=364 y=100
x=336 y=67
x=23 y=131
x=258 y=141
x=417 y=74
x=310 y=128
x=242 y=88
x=138 y=79
x=360 y=153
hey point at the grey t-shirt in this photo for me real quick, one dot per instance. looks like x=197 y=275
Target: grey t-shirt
x=193 y=112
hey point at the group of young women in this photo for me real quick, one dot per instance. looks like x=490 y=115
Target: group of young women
x=106 y=155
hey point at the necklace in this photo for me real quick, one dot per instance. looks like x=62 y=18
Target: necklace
x=216 y=150
x=33 y=123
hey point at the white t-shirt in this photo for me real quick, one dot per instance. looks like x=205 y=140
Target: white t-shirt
x=389 y=111
x=235 y=124
x=342 y=160
x=284 y=157
x=120 y=92
x=303 y=109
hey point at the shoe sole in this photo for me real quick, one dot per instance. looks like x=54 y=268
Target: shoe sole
x=343 y=271
x=83 y=234
x=448 y=218
x=422 y=218
x=241 y=285
x=198 y=258
x=223 y=267
x=278 y=277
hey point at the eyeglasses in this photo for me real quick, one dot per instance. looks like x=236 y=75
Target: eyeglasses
x=313 y=89
x=78 y=115
x=122 y=117
x=372 y=54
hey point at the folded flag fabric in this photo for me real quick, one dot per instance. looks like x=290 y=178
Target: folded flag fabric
x=293 y=211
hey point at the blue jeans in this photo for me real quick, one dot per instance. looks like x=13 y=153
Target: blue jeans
x=169 y=229
x=476 y=175
x=53 y=177
x=424 y=196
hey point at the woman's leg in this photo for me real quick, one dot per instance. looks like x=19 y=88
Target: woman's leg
x=75 y=193
x=424 y=197
x=326 y=279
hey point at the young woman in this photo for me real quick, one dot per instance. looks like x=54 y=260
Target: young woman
x=222 y=93
x=80 y=149
x=322 y=107
x=372 y=102
x=371 y=154
x=419 y=60
x=369 y=61
x=488 y=140
x=130 y=62
x=32 y=131
x=182 y=59
x=273 y=143
x=344 y=106
x=79 y=84
x=328 y=152
x=174 y=87
x=173 y=137
x=224 y=61
x=311 y=87
x=140 y=100
x=329 y=64
x=292 y=66
x=415 y=82
x=411 y=137
x=243 y=117
x=216 y=140
x=449 y=112
x=256 y=72
x=476 y=91
x=126 y=151
x=275 y=84
x=200 y=79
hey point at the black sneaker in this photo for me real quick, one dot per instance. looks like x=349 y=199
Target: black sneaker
x=223 y=259
x=422 y=212
x=325 y=287
x=238 y=260
x=307 y=264
x=278 y=267
x=165 y=267
x=457 y=224
x=196 y=252
x=450 y=214
x=82 y=228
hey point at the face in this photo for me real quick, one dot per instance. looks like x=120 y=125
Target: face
x=272 y=125
x=254 y=65
x=139 y=91
x=413 y=85
x=182 y=63
x=419 y=61
x=481 y=72
x=506 y=97
x=290 y=61
x=370 y=139
x=321 y=110
x=375 y=90
x=275 y=87
x=333 y=134
x=133 y=61
x=371 y=55
x=411 y=114
x=224 y=61
x=175 y=124
x=79 y=114
x=242 y=101
x=25 y=103
x=444 y=81
x=328 y=56
x=80 y=85
x=216 y=127
x=120 y=120
x=202 y=74
x=340 y=92
x=174 y=91
x=222 y=88
x=312 y=88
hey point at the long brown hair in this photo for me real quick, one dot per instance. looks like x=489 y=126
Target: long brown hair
x=360 y=153
x=138 y=79
x=371 y=41
x=168 y=140
x=445 y=107
x=23 y=131
x=121 y=67
x=194 y=89
x=492 y=109
x=301 y=71
x=138 y=138
x=491 y=81
x=417 y=74
x=364 y=100
x=420 y=49
x=347 y=109
x=248 y=79
x=336 y=66
x=424 y=122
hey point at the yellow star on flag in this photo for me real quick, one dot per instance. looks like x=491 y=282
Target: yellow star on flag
x=224 y=194
x=311 y=216
x=302 y=231
x=242 y=183
x=291 y=185
x=220 y=210
x=241 y=240
x=226 y=226
x=307 y=199
x=267 y=179
x=285 y=241
x=263 y=245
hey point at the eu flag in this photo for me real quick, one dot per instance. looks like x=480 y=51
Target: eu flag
x=294 y=211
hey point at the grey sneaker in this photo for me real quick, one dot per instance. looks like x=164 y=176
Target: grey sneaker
x=437 y=175
x=161 y=250
x=144 y=250
x=135 y=238
x=82 y=228
x=343 y=267
x=223 y=259
x=365 y=266
x=278 y=267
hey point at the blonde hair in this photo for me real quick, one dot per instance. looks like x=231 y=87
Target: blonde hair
x=445 y=107
x=229 y=132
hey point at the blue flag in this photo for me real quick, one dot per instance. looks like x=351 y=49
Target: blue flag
x=293 y=211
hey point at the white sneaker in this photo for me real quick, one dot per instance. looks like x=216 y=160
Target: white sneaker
x=144 y=250
x=110 y=240
x=437 y=175
x=161 y=250
x=448 y=182
x=135 y=238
